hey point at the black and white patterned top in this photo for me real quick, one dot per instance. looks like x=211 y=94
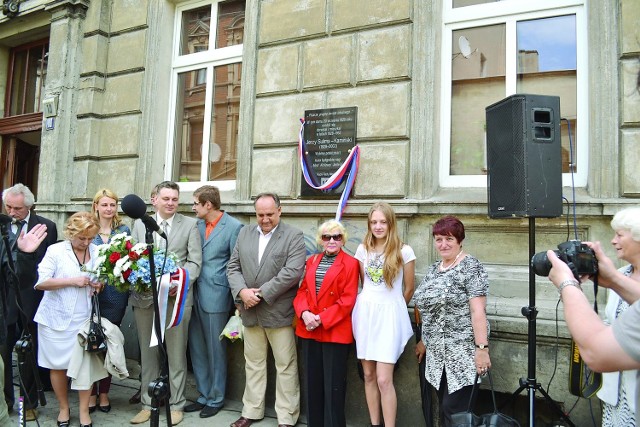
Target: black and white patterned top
x=447 y=333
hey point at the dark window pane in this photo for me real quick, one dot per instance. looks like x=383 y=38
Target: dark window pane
x=224 y=123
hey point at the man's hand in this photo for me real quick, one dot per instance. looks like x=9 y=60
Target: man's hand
x=420 y=351
x=30 y=241
x=249 y=297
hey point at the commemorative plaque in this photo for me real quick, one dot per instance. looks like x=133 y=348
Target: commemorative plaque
x=330 y=135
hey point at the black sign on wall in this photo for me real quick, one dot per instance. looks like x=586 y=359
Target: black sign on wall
x=330 y=135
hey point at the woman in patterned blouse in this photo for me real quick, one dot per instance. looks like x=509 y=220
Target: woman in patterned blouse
x=452 y=299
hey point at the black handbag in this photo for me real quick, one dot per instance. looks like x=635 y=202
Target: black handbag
x=492 y=419
x=96 y=340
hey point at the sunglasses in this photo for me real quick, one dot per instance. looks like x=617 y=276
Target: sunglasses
x=335 y=237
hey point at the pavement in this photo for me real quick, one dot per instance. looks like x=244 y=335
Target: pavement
x=122 y=411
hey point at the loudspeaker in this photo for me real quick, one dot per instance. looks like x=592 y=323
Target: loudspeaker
x=524 y=162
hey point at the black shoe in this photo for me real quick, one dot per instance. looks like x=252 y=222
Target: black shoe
x=209 y=411
x=194 y=407
x=92 y=409
x=135 y=398
x=86 y=425
x=105 y=408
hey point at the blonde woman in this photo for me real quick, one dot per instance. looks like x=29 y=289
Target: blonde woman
x=381 y=325
x=66 y=305
x=113 y=303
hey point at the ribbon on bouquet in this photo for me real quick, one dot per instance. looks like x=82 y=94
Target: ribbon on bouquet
x=179 y=279
x=348 y=170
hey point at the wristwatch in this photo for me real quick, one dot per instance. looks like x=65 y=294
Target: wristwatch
x=482 y=346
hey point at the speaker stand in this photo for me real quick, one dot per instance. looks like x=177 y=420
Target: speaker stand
x=530 y=382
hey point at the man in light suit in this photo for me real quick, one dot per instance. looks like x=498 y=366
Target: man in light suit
x=264 y=272
x=183 y=240
x=213 y=301
x=18 y=201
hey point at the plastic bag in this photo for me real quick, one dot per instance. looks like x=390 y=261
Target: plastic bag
x=233 y=329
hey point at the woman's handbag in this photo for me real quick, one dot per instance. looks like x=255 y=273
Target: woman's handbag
x=96 y=340
x=233 y=328
x=493 y=419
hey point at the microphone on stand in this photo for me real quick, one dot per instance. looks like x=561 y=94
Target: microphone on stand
x=6 y=219
x=135 y=208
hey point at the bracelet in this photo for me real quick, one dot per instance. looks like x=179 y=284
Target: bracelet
x=482 y=346
x=568 y=282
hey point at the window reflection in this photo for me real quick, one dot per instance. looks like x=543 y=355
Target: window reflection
x=189 y=127
x=547 y=64
x=230 y=23
x=478 y=73
x=27 y=78
x=195 y=30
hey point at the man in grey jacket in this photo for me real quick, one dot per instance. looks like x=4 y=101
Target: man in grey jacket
x=264 y=272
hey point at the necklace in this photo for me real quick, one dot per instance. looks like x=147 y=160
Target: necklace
x=84 y=257
x=445 y=268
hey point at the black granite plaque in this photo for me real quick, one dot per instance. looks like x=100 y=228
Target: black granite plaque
x=329 y=134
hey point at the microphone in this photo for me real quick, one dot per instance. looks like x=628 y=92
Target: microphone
x=6 y=219
x=135 y=208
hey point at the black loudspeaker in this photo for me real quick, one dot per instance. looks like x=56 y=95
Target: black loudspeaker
x=524 y=162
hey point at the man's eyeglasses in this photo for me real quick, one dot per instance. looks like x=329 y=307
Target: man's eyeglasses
x=335 y=237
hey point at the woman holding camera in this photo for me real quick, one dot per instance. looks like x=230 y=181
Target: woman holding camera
x=66 y=305
x=455 y=332
x=618 y=392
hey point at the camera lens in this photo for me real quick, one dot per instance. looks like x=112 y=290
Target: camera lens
x=541 y=264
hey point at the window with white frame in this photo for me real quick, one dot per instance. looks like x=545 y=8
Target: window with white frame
x=207 y=65
x=494 y=49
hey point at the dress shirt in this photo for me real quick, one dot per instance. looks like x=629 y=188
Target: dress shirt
x=263 y=241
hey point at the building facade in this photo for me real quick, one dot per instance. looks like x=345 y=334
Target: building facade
x=124 y=94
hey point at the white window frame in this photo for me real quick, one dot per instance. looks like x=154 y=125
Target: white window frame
x=510 y=12
x=184 y=63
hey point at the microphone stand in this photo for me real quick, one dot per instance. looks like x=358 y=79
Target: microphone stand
x=24 y=346
x=159 y=389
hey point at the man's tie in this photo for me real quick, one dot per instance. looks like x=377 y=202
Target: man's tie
x=164 y=225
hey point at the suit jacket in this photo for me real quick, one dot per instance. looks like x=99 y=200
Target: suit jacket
x=26 y=266
x=184 y=242
x=29 y=296
x=334 y=302
x=277 y=275
x=212 y=289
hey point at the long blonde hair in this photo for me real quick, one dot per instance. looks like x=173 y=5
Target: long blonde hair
x=393 y=261
x=105 y=192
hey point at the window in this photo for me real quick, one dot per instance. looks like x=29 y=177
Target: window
x=207 y=66
x=497 y=50
x=27 y=75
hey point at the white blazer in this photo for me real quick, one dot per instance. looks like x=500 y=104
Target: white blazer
x=57 y=306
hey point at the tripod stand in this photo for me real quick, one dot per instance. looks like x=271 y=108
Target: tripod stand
x=160 y=389
x=530 y=312
x=24 y=347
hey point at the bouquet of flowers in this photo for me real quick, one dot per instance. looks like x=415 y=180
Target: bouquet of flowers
x=125 y=265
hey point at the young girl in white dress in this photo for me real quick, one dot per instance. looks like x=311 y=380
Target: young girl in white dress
x=381 y=325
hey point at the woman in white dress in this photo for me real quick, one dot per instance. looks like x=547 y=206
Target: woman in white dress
x=66 y=304
x=381 y=325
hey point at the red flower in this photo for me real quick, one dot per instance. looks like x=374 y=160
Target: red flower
x=145 y=252
x=128 y=245
x=133 y=256
x=126 y=274
x=114 y=257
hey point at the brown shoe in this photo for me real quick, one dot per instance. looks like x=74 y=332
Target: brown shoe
x=30 y=415
x=141 y=417
x=243 y=422
x=176 y=417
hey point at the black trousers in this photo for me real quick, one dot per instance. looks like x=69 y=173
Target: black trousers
x=457 y=401
x=325 y=368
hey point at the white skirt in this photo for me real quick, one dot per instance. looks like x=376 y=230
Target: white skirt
x=54 y=347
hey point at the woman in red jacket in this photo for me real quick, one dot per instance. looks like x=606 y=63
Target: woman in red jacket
x=323 y=305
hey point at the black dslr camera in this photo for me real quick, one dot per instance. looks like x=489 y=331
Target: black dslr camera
x=578 y=256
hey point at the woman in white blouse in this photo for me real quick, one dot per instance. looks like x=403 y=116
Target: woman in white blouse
x=66 y=304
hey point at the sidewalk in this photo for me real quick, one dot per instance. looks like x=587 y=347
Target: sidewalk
x=122 y=411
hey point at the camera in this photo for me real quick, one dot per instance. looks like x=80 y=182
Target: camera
x=578 y=256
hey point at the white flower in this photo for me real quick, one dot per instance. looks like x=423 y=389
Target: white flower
x=118 y=268
x=139 y=248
